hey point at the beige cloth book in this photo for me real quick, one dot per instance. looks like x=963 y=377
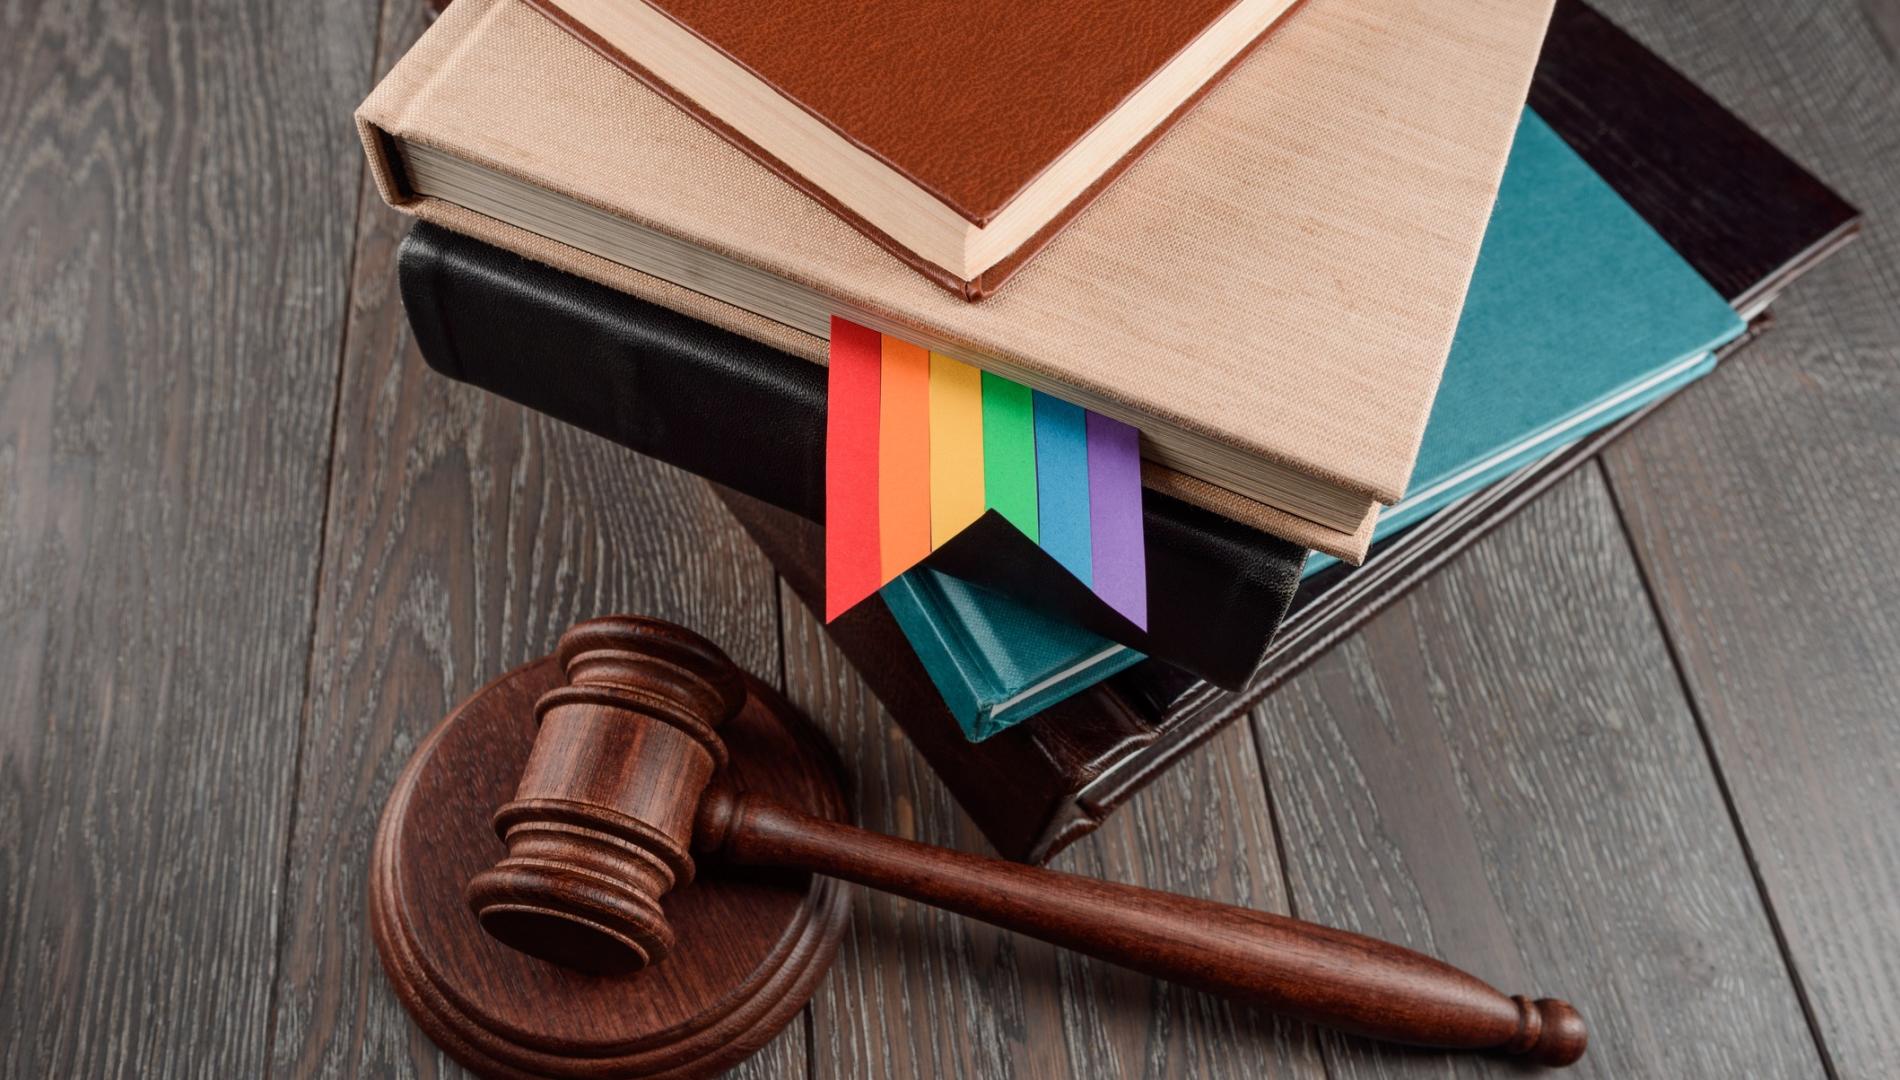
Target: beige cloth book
x=1269 y=294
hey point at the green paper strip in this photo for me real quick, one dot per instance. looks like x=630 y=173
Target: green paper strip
x=1009 y=452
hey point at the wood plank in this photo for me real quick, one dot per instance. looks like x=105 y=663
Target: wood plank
x=173 y=228
x=1762 y=509
x=464 y=535
x=1500 y=770
x=920 y=993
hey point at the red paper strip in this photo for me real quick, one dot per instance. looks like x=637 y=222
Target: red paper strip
x=851 y=440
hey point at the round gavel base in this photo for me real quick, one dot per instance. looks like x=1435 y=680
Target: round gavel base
x=750 y=949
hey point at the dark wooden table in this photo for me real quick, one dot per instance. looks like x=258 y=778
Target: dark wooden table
x=1640 y=748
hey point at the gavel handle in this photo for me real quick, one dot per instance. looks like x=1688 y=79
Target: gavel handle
x=1310 y=972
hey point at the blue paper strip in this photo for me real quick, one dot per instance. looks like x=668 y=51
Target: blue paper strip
x=1062 y=482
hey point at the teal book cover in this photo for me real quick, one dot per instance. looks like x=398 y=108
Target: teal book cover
x=1578 y=314
x=996 y=662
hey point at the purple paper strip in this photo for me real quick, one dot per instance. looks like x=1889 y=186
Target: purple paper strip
x=1120 y=560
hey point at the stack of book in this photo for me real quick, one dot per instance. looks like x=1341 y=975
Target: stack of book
x=1365 y=275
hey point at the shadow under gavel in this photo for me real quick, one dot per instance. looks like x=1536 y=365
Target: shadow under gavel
x=625 y=785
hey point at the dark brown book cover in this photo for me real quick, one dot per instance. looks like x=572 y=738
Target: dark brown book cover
x=970 y=100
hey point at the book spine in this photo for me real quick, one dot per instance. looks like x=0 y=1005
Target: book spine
x=718 y=405
x=933 y=634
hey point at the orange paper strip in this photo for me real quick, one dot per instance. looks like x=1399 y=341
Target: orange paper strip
x=903 y=467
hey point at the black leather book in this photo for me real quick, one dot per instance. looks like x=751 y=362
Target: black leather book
x=753 y=418
x=1747 y=217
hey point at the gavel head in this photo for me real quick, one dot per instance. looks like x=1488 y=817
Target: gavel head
x=601 y=825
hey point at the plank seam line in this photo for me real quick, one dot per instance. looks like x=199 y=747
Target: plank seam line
x=1694 y=706
x=272 y=997
x=1253 y=722
x=811 y=1033
x=783 y=682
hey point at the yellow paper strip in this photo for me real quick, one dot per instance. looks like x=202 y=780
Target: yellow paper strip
x=956 y=447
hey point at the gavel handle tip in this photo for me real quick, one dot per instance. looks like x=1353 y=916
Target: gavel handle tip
x=1554 y=1033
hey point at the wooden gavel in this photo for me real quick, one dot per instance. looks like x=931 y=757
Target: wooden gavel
x=626 y=783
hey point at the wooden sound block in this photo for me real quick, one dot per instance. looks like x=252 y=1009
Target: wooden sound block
x=752 y=944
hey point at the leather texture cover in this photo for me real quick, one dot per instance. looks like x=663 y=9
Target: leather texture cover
x=1361 y=254
x=1749 y=219
x=752 y=418
x=970 y=102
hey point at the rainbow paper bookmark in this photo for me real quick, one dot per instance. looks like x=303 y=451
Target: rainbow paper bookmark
x=920 y=445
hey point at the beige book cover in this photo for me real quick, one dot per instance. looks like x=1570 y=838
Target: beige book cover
x=1271 y=292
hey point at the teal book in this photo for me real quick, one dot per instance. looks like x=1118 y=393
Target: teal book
x=995 y=661
x=1578 y=314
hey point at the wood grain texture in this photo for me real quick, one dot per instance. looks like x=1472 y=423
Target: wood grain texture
x=1761 y=508
x=1500 y=770
x=919 y=993
x=173 y=233
x=464 y=535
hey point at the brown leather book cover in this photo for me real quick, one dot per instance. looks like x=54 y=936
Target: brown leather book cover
x=1748 y=218
x=971 y=101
